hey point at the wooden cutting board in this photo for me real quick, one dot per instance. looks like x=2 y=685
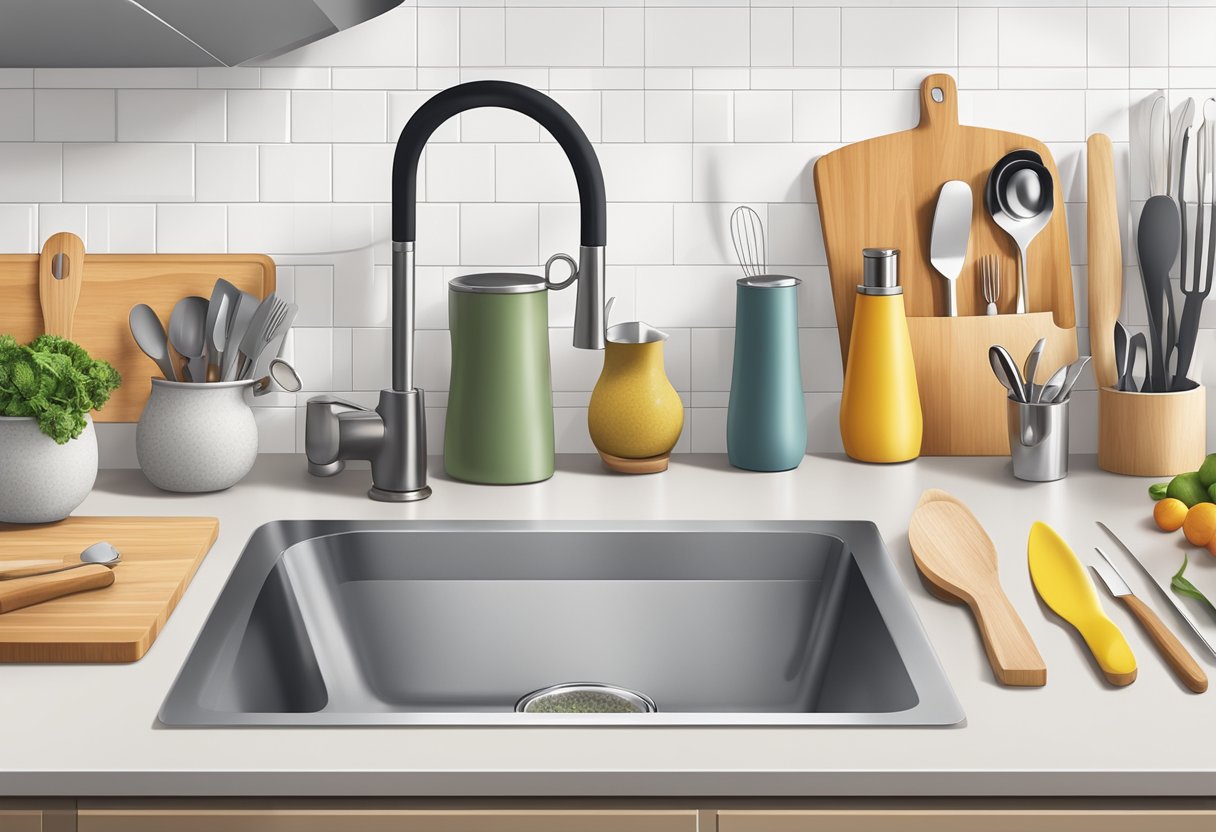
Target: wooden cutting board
x=110 y=285
x=116 y=624
x=882 y=192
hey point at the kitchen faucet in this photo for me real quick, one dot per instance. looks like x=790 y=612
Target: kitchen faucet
x=393 y=436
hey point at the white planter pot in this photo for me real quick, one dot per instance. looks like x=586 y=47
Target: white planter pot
x=40 y=481
x=196 y=437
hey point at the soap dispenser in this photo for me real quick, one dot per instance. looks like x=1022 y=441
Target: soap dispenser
x=880 y=416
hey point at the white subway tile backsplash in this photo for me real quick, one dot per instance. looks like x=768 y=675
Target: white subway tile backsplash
x=191 y=228
x=128 y=172
x=338 y=116
x=74 y=115
x=171 y=115
x=881 y=37
x=31 y=172
x=295 y=173
x=17 y=123
x=259 y=115
x=226 y=172
x=554 y=37
x=694 y=107
x=720 y=39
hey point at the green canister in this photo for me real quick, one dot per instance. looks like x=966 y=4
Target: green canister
x=500 y=402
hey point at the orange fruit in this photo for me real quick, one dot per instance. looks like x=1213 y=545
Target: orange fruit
x=1169 y=514
x=1200 y=524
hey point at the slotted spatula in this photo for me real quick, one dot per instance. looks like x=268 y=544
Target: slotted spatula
x=958 y=562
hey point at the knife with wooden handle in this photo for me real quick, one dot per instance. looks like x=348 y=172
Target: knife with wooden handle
x=60 y=274
x=1176 y=656
x=24 y=592
x=1105 y=257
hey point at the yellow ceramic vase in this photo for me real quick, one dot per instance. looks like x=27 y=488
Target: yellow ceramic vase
x=636 y=416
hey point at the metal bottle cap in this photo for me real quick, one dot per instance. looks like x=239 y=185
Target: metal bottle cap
x=880 y=273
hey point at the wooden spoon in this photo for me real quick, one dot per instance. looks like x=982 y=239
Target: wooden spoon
x=1105 y=257
x=956 y=558
x=23 y=592
x=60 y=273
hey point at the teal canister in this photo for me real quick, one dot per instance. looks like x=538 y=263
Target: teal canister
x=499 y=427
x=766 y=420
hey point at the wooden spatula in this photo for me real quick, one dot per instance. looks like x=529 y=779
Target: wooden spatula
x=958 y=562
x=24 y=592
x=60 y=273
x=1105 y=257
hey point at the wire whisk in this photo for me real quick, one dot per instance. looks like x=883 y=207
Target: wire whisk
x=747 y=235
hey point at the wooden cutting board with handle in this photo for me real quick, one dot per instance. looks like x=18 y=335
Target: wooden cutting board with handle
x=92 y=300
x=1105 y=257
x=118 y=621
x=881 y=193
x=958 y=562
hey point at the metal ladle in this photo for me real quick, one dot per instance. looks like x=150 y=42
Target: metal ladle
x=1037 y=202
x=101 y=552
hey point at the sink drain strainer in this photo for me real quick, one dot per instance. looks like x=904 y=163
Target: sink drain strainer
x=585 y=698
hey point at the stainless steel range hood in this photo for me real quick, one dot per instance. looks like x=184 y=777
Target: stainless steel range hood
x=129 y=33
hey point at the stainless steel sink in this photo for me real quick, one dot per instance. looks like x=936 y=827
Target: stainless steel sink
x=451 y=623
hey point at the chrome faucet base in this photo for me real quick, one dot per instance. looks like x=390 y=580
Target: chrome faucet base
x=383 y=496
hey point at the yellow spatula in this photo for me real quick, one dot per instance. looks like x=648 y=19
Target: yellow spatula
x=1063 y=584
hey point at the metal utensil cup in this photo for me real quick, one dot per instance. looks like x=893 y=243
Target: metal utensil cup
x=1038 y=440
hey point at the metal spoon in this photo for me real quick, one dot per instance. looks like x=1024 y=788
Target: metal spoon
x=283 y=374
x=1006 y=371
x=102 y=552
x=187 y=325
x=1071 y=377
x=1034 y=391
x=149 y=334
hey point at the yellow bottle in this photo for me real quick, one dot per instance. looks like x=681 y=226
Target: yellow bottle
x=880 y=417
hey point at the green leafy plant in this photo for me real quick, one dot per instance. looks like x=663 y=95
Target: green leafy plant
x=55 y=381
x=1184 y=587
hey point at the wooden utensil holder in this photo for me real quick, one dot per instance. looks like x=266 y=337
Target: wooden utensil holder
x=1152 y=434
x=963 y=403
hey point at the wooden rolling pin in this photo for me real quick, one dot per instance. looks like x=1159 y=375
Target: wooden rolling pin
x=1105 y=258
x=60 y=273
x=24 y=592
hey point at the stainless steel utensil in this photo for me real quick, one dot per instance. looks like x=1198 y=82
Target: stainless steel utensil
x=224 y=297
x=1022 y=229
x=990 y=282
x=747 y=236
x=101 y=552
x=1157 y=242
x=1180 y=661
x=282 y=374
x=238 y=325
x=149 y=334
x=1051 y=387
x=950 y=235
x=1033 y=391
x=1196 y=290
x=1071 y=377
x=187 y=334
x=1161 y=588
x=1006 y=371
x=251 y=341
x=272 y=341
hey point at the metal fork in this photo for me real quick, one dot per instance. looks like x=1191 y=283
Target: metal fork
x=990 y=281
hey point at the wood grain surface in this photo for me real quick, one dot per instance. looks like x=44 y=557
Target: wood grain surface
x=882 y=192
x=117 y=623
x=1105 y=257
x=112 y=284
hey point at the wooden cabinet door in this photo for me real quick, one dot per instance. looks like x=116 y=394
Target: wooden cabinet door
x=966 y=820
x=20 y=820
x=381 y=820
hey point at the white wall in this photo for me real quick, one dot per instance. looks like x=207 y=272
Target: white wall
x=693 y=109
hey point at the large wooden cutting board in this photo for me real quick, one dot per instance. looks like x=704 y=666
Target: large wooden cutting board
x=116 y=624
x=882 y=192
x=112 y=284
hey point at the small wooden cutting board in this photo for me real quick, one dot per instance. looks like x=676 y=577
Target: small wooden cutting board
x=115 y=624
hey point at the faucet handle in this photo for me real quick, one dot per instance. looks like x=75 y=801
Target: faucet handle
x=322 y=433
x=573 y=276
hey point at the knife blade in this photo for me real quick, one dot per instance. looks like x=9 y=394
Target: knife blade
x=1176 y=656
x=1178 y=608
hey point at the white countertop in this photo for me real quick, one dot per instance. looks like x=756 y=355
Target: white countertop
x=91 y=729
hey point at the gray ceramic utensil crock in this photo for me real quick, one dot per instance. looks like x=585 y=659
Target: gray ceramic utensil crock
x=196 y=437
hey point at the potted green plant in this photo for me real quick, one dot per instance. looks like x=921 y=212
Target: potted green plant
x=48 y=448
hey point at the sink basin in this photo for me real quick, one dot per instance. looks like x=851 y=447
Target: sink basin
x=451 y=623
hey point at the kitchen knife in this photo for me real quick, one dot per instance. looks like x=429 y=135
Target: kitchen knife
x=1062 y=583
x=1181 y=610
x=1180 y=661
